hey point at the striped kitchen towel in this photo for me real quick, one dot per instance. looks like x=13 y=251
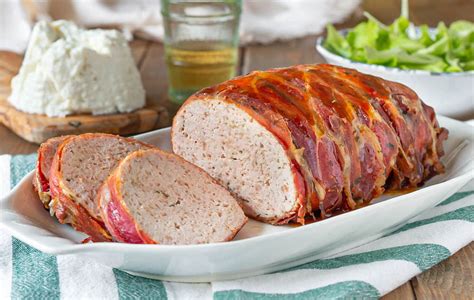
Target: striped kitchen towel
x=368 y=271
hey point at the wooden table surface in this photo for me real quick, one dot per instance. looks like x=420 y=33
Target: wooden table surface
x=452 y=278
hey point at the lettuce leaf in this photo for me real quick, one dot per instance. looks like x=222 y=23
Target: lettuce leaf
x=444 y=49
x=336 y=43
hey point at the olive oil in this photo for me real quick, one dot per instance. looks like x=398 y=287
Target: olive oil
x=193 y=65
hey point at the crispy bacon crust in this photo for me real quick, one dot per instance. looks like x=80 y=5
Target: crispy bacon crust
x=41 y=177
x=350 y=136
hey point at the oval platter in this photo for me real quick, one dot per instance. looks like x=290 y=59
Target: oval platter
x=258 y=248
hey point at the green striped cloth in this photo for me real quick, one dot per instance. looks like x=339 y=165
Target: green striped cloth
x=368 y=271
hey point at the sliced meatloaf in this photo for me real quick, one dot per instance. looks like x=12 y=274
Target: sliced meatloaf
x=309 y=140
x=46 y=153
x=80 y=166
x=158 y=197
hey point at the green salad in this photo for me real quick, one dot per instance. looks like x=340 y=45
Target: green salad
x=400 y=45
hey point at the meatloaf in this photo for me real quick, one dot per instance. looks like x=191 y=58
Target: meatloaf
x=80 y=165
x=309 y=141
x=158 y=197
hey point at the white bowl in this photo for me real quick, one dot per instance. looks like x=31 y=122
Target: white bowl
x=450 y=94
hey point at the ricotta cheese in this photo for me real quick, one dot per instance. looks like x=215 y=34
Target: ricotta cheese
x=70 y=70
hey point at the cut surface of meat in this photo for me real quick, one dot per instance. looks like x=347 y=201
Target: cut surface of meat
x=263 y=174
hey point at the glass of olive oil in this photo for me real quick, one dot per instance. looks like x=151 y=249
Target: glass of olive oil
x=201 y=43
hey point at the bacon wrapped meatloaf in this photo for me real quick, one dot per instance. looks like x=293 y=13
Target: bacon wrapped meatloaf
x=309 y=140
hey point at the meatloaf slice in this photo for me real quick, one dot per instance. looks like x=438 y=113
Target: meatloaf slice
x=80 y=166
x=46 y=153
x=158 y=197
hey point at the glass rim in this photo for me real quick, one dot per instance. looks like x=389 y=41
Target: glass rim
x=237 y=5
x=166 y=14
x=238 y=2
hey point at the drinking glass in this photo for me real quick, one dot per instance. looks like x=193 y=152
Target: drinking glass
x=201 y=43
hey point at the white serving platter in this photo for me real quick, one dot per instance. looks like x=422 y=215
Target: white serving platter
x=259 y=248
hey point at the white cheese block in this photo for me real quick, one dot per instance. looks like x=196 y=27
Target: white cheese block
x=69 y=70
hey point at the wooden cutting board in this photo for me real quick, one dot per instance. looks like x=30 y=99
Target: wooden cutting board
x=38 y=128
